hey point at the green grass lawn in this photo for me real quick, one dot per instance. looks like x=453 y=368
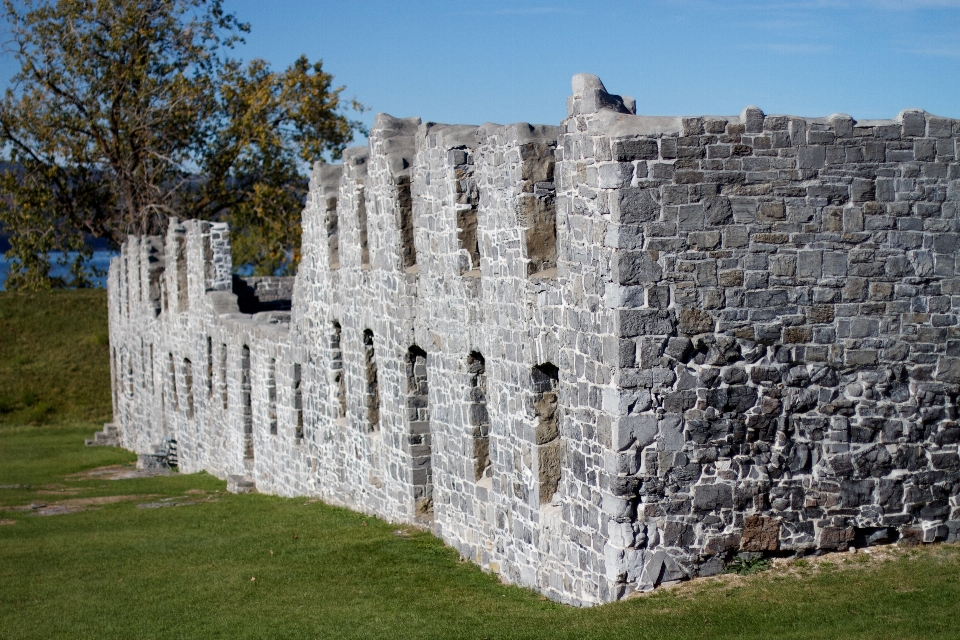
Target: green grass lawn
x=216 y=565
x=54 y=357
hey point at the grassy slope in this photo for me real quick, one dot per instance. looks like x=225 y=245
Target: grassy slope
x=118 y=571
x=54 y=357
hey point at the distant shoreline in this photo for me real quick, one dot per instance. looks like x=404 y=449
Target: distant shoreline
x=101 y=260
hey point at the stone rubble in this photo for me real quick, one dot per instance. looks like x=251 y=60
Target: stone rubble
x=594 y=358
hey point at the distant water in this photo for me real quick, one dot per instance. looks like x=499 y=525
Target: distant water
x=101 y=260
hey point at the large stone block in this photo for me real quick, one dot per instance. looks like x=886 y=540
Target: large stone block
x=760 y=533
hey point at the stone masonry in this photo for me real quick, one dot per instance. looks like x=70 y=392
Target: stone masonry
x=595 y=357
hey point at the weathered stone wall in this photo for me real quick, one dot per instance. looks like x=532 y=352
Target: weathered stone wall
x=785 y=295
x=594 y=358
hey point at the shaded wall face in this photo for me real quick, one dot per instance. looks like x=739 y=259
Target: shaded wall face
x=784 y=295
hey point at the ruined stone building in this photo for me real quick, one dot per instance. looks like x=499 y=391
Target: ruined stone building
x=593 y=357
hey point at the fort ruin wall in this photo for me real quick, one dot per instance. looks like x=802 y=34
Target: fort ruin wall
x=594 y=358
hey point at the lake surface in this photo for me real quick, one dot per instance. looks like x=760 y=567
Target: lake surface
x=101 y=260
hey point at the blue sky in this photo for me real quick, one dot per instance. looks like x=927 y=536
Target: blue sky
x=507 y=61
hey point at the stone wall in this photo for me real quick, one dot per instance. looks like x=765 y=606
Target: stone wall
x=594 y=358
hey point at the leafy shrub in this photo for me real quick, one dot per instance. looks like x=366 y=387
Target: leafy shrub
x=746 y=566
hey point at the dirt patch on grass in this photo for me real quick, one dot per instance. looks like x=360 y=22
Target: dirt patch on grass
x=73 y=505
x=3 y=522
x=118 y=472
x=180 y=501
x=87 y=502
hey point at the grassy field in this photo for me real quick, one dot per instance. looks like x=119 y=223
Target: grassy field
x=86 y=556
x=54 y=357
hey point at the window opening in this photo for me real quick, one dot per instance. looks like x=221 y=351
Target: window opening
x=129 y=359
x=372 y=399
x=297 y=404
x=246 y=403
x=188 y=383
x=540 y=221
x=125 y=289
x=418 y=424
x=549 y=445
x=272 y=395
x=333 y=233
x=172 y=370
x=143 y=365
x=362 y=221
x=339 y=381
x=209 y=367
x=223 y=377
x=115 y=382
x=183 y=299
x=477 y=416
x=468 y=202
x=408 y=249
x=208 y=273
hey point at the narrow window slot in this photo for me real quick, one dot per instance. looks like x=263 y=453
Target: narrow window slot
x=362 y=222
x=477 y=416
x=272 y=396
x=297 y=404
x=408 y=249
x=339 y=380
x=372 y=391
x=418 y=436
x=188 y=383
x=549 y=445
x=333 y=233
x=246 y=403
